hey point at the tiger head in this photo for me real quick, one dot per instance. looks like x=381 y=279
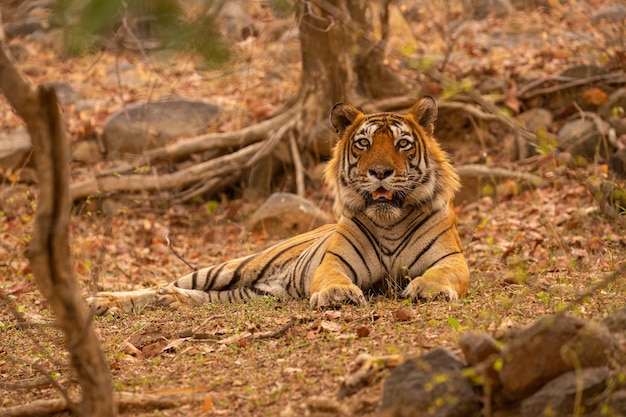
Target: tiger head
x=385 y=164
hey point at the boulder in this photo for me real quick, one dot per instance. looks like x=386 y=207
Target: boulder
x=66 y=94
x=142 y=126
x=14 y=149
x=429 y=385
x=536 y=120
x=548 y=348
x=477 y=347
x=612 y=13
x=285 y=215
x=558 y=398
x=584 y=138
x=16 y=200
x=614 y=406
x=616 y=320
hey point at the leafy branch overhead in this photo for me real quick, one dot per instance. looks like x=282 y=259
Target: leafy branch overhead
x=92 y=25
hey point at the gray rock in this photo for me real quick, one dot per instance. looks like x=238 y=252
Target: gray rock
x=477 y=347
x=616 y=320
x=86 y=152
x=493 y=85
x=536 y=119
x=429 y=385
x=613 y=406
x=16 y=200
x=613 y=13
x=546 y=349
x=23 y=27
x=235 y=23
x=558 y=397
x=616 y=100
x=480 y=9
x=583 y=137
x=285 y=214
x=65 y=92
x=143 y=126
x=14 y=149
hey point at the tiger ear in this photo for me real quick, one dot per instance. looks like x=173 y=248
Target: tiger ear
x=425 y=113
x=343 y=115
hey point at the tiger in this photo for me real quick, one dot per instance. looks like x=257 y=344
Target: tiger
x=394 y=187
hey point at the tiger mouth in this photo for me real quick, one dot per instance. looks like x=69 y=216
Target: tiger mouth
x=383 y=196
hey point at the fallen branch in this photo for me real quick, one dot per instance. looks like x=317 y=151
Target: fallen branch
x=226 y=140
x=125 y=401
x=497 y=173
x=211 y=172
x=275 y=334
x=367 y=371
x=525 y=92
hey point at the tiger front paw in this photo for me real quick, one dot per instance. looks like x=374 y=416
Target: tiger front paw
x=120 y=302
x=422 y=289
x=337 y=294
x=174 y=297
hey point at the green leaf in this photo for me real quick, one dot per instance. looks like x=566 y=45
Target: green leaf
x=454 y=323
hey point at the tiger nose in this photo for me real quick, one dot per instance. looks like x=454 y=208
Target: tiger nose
x=381 y=171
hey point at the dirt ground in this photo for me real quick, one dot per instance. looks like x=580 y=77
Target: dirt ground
x=530 y=252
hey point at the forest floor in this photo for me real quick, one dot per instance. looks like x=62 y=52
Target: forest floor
x=531 y=253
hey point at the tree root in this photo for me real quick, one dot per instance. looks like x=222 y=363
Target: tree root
x=125 y=401
x=367 y=371
x=251 y=143
x=212 y=175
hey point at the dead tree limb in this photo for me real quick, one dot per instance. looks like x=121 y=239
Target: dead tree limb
x=49 y=250
x=202 y=143
x=125 y=401
x=212 y=173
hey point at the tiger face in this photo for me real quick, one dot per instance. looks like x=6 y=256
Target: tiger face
x=385 y=164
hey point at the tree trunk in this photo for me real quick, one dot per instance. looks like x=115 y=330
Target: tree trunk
x=341 y=59
x=49 y=250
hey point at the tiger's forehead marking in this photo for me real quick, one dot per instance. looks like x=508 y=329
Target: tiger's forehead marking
x=385 y=121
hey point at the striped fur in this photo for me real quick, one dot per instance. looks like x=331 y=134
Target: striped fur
x=394 y=187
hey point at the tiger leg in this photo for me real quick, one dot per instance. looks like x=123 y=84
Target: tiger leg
x=121 y=302
x=331 y=286
x=448 y=278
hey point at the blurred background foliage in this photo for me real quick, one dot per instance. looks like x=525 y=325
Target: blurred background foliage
x=91 y=25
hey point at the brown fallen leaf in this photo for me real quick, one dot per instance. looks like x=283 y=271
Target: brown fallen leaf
x=18 y=288
x=595 y=96
x=401 y=315
x=330 y=326
x=142 y=339
x=130 y=349
x=153 y=349
x=362 y=332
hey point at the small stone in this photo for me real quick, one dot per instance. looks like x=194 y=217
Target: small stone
x=285 y=215
x=582 y=138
